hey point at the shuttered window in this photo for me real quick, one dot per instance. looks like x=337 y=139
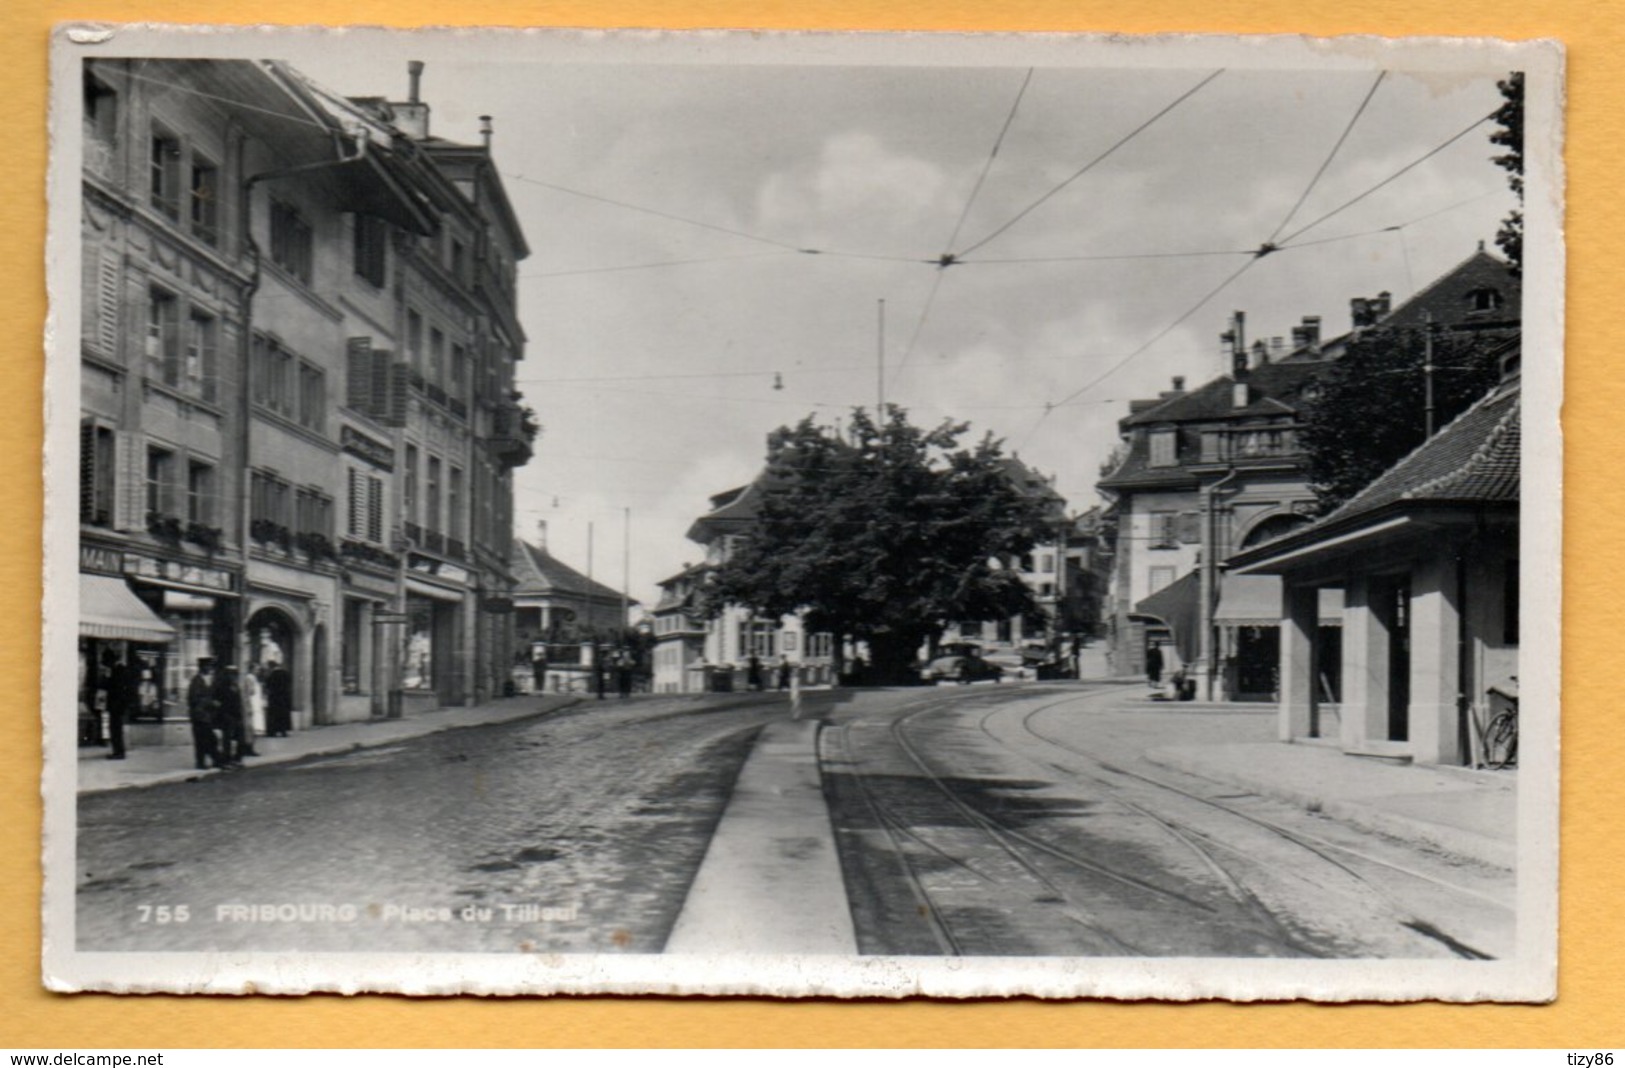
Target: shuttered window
x=96 y=474
x=365 y=513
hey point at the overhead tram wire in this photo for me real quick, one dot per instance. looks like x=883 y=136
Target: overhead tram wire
x=1085 y=169
x=1327 y=162
x=785 y=245
x=953 y=238
x=1286 y=242
x=1158 y=336
x=652 y=266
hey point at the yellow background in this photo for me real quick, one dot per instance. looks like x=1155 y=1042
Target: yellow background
x=1588 y=1012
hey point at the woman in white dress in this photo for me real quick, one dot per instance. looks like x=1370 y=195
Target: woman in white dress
x=254 y=698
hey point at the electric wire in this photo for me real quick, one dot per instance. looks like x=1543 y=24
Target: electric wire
x=651 y=266
x=1429 y=154
x=1327 y=162
x=1087 y=167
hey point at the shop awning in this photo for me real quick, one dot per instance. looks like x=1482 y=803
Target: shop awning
x=1255 y=600
x=1178 y=606
x=107 y=609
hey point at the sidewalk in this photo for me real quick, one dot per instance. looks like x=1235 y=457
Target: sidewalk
x=151 y=765
x=1465 y=813
x=771 y=880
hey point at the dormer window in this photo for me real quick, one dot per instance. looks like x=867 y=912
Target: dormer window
x=1164 y=448
x=1485 y=299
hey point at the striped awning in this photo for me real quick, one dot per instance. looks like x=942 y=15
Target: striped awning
x=108 y=609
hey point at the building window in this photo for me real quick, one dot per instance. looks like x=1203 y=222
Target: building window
x=365 y=518
x=96 y=452
x=409 y=484
x=820 y=646
x=1161 y=579
x=312 y=397
x=1164 y=530
x=456 y=385
x=100 y=124
x=200 y=493
x=1486 y=299
x=758 y=638
x=431 y=495
x=205 y=201
x=414 y=340
x=313 y=512
x=454 y=503
x=1164 y=448
x=1046 y=563
x=164 y=165
x=457 y=259
x=270 y=508
x=163 y=338
x=371 y=241
x=160 y=481
x=200 y=356
x=970 y=629
x=292 y=245
x=437 y=357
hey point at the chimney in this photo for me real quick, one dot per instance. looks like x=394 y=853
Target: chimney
x=1307 y=334
x=1277 y=347
x=1241 y=395
x=1238 y=339
x=1261 y=353
x=485 y=131
x=412 y=117
x=1384 y=304
x=1179 y=383
x=541 y=534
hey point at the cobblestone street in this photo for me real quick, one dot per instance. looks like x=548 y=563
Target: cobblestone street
x=587 y=824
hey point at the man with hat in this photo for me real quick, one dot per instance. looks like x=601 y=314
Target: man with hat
x=200 y=709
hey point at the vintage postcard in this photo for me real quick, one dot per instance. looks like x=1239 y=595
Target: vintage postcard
x=852 y=515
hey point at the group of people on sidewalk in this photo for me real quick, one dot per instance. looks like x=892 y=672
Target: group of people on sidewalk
x=229 y=712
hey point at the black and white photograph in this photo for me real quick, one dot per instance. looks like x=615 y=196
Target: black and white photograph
x=857 y=515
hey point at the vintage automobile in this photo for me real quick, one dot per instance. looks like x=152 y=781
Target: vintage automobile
x=962 y=665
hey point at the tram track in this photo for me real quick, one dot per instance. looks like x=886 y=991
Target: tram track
x=1320 y=849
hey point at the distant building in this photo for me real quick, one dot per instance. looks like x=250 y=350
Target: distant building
x=562 y=620
x=694 y=655
x=1218 y=469
x=277 y=467
x=1426 y=562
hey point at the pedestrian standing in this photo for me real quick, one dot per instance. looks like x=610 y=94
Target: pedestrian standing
x=120 y=693
x=1153 y=664
x=254 y=701
x=785 y=671
x=623 y=674
x=753 y=674
x=228 y=717
x=278 y=701
x=200 y=711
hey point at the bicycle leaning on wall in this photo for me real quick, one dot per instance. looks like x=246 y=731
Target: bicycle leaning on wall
x=1498 y=741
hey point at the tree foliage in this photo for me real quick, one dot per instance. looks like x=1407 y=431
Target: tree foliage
x=1370 y=408
x=1509 y=135
x=885 y=534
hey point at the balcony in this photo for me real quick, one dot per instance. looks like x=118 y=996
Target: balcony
x=434 y=541
x=511 y=434
x=455 y=549
x=1249 y=443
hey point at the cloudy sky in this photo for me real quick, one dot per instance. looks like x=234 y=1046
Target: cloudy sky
x=673 y=322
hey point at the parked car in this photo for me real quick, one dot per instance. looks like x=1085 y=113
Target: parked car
x=962 y=668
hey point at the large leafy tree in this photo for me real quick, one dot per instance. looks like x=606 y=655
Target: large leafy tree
x=1509 y=135
x=1369 y=409
x=885 y=533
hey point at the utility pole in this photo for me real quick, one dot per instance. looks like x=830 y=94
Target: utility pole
x=597 y=660
x=880 y=364
x=1427 y=368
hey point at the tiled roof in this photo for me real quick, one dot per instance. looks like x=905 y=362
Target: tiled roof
x=539 y=573
x=1473 y=460
x=1275 y=388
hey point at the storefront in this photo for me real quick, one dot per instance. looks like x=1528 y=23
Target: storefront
x=165 y=615
x=433 y=665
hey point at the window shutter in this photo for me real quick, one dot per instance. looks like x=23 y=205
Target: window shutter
x=399 y=382
x=87 y=472
x=358 y=374
x=172 y=344
x=129 y=482
x=107 y=303
x=352 y=522
x=1189 y=526
x=375 y=508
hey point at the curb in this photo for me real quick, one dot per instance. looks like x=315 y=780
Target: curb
x=1449 y=840
x=164 y=778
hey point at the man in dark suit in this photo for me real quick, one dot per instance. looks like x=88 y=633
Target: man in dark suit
x=200 y=708
x=119 y=684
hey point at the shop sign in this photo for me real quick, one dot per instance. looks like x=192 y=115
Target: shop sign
x=369 y=449
x=425 y=565
x=103 y=561
x=211 y=578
